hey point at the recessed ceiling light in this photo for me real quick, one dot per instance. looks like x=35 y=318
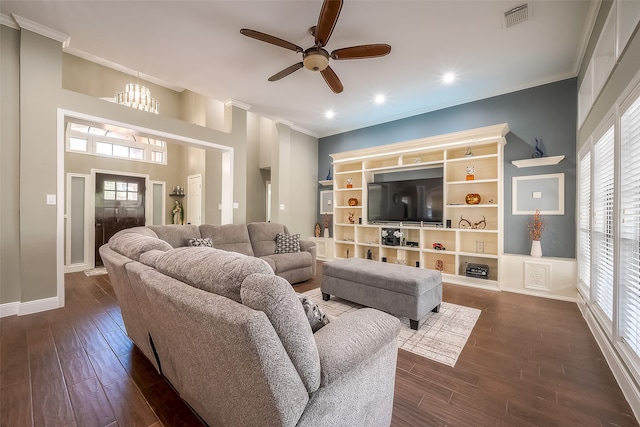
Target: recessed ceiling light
x=379 y=99
x=449 y=78
x=329 y=114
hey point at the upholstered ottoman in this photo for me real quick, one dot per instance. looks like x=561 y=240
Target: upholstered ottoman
x=397 y=289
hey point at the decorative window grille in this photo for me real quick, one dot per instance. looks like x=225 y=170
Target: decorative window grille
x=603 y=222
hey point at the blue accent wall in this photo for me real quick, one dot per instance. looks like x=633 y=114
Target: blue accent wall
x=546 y=112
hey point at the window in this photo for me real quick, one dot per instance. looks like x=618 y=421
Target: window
x=116 y=190
x=78 y=144
x=629 y=277
x=584 y=223
x=122 y=144
x=603 y=241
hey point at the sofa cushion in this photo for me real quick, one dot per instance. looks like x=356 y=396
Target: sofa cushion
x=287 y=243
x=228 y=237
x=263 y=237
x=133 y=245
x=276 y=298
x=176 y=235
x=212 y=270
x=286 y=262
x=200 y=241
x=150 y=258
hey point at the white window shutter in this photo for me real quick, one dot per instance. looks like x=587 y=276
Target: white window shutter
x=603 y=223
x=629 y=272
x=584 y=222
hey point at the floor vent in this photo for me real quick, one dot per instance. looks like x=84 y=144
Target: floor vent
x=516 y=15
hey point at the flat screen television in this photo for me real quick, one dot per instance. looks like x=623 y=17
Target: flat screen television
x=415 y=200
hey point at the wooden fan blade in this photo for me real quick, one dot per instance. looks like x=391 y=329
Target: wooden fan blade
x=327 y=21
x=361 y=52
x=285 y=72
x=332 y=80
x=270 y=39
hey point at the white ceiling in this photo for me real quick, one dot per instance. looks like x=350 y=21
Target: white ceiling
x=197 y=45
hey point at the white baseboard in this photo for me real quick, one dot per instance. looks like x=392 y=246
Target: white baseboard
x=75 y=268
x=29 y=307
x=625 y=381
x=9 y=309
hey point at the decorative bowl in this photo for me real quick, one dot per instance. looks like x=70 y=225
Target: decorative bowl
x=352 y=201
x=472 y=198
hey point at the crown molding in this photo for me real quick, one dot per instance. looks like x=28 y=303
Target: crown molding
x=121 y=68
x=234 y=103
x=34 y=27
x=283 y=122
x=305 y=131
x=8 y=21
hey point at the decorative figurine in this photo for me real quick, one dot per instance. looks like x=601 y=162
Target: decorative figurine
x=349 y=182
x=471 y=171
x=468 y=153
x=538 y=152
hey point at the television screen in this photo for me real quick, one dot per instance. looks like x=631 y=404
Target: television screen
x=416 y=200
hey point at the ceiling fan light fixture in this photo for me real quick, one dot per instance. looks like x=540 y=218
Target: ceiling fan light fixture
x=315 y=59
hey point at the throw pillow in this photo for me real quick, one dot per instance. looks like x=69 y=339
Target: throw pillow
x=197 y=241
x=287 y=243
x=317 y=317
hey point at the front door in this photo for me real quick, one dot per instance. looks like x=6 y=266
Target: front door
x=119 y=204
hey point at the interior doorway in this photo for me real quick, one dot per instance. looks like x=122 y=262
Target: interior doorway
x=194 y=199
x=119 y=204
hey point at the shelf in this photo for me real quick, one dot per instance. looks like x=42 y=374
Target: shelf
x=348 y=189
x=471 y=181
x=326 y=183
x=540 y=161
x=479 y=205
x=471 y=158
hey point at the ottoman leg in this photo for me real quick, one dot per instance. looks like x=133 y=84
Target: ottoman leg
x=413 y=324
x=436 y=309
x=326 y=297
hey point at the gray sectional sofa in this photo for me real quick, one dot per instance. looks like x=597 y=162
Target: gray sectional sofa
x=234 y=341
x=254 y=239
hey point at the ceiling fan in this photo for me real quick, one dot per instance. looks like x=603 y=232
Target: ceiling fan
x=316 y=58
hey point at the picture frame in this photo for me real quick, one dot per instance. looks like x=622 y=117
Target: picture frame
x=542 y=192
x=326 y=202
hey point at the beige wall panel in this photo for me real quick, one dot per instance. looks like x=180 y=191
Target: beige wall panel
x=10 y=166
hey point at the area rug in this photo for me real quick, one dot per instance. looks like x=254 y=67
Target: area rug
x=95 y=271
x=441 y=336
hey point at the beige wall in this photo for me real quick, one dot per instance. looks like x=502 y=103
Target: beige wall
x=9 y=166
x=53 y=85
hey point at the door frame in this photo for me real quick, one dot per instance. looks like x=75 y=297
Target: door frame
x=90 y=227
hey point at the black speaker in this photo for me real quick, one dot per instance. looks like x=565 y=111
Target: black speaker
x=448 y=223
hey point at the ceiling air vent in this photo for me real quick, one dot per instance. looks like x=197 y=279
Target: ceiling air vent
x=516 y=15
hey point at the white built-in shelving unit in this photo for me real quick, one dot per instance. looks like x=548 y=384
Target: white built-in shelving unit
x=462 y=245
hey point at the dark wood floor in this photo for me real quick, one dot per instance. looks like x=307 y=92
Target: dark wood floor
x=528 y=362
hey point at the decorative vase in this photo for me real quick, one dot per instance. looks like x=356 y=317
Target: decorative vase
x=536 y=249
x=326 y=232
x=472 y=199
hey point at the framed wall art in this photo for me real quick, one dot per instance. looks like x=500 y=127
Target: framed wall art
x=543 y=192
